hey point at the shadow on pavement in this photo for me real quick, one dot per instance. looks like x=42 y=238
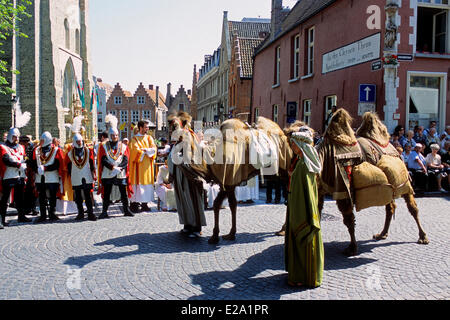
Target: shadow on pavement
x=160 y=243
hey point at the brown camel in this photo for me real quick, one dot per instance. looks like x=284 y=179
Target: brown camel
x=340 y=152
x=227 y=160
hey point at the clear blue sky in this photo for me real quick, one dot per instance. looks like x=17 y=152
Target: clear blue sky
x=157 y=42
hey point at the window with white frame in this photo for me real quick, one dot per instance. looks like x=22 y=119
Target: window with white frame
x=123 y=116
x=433 y=20
x=277 y=65
x=141 y=100
x=118 y=100
x=310 y=55
x=146 y=115
x=296 y=57
x=307 y=111
x=113 y=112
x=330 y=102
x=135 y=116
x=275 y=113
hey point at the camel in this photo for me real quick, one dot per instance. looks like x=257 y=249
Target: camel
x=227 y=158
x=340 y=152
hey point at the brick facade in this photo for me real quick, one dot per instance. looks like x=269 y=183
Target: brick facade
x=142 y=105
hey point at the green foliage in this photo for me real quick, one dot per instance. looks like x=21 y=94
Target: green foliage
x=10 y=15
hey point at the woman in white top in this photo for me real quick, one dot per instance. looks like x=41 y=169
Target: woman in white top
x=435 y=165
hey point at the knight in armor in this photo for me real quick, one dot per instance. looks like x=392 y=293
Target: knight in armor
x=113 y=159
x=80 y=166
x=48 y=162
x=12 y=171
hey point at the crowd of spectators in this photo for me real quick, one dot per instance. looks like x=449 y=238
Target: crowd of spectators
x=426 y=153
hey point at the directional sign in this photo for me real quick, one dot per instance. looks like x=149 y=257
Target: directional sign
x=377 y=65
x=367 y=93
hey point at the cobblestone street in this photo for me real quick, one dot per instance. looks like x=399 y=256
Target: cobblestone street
x=146 y=257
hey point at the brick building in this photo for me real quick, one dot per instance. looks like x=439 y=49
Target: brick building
x=142 y=105
x=180 y=102
x=50 y=60
x=240 y=76
x=324 y=52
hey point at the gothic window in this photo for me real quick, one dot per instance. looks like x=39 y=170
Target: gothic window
x=67 y=33
x=69 y=87
x=77 y=41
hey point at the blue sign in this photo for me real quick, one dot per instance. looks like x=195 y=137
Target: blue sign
x=367 y=93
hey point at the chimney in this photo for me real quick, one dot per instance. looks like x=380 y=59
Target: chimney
x=150 y=87
x=277 y=8
x=157 y=96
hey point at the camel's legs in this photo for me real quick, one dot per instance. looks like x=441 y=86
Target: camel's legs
x=414 y=210
x=390 y=211
x=233 y=207
x=217 y=205
x=349 y=220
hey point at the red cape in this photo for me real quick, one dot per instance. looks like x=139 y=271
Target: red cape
x=101 y=153
x=61 y=158
x=2 y=165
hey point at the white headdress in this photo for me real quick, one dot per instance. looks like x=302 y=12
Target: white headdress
x=22 y=119
x=304 y=140
x=111 y=122
x=76 y=126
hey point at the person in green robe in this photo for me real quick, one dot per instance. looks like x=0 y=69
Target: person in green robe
x=304 y=253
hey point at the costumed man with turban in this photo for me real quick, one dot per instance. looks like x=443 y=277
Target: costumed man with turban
x=80 y=166
x=188 y=186
x=142 y=171
x=304 y=252
x=113 y=158
x=48 y=165
x=12 y=171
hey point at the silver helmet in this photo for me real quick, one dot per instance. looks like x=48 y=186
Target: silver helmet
x=76 y=138
x=13 y=132
x=46 y=138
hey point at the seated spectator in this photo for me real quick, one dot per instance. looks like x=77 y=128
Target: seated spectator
x=433 y=125
x=164 y=190
x=435 y=166
x=400 y=152
x=431 y=139
x=420 y=137
x=406 y=153
x=445 y=136
x=417 y=166
x=446 y=162
x=409 y=139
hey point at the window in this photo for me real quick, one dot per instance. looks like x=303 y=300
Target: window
x=135 y=116
x=296 y=57
x=275 y=113
x=256 y=114
x=146 y=115
x=181 y=107
x=277 y=65
x=123 y=116
x=117 y=100
x=307 y=112
x=330 y=102
x=310 y=55
x=141 y=100
x=113 y=112
x=67 y=33
x=291 y=112
x=77 y=41
x=433 y=19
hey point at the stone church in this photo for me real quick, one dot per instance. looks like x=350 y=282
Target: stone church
x=51 y=60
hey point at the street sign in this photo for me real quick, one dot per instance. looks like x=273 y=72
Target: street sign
x=377 y=65
x=291 y=112
x=405 y=57
x=367 y=93
x=366 y=107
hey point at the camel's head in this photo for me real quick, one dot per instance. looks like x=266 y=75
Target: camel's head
x=372 y=128
x=340 y=129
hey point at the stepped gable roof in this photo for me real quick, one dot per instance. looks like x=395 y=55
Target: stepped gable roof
x=162 y=99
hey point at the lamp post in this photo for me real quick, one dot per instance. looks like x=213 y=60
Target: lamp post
x=390 y=54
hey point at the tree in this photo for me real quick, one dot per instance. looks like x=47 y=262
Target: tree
x=11 y=12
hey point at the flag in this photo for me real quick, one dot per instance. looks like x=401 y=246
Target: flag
x=92 y=99
x=81 y=93
x=98 y=101
x=122 y=126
